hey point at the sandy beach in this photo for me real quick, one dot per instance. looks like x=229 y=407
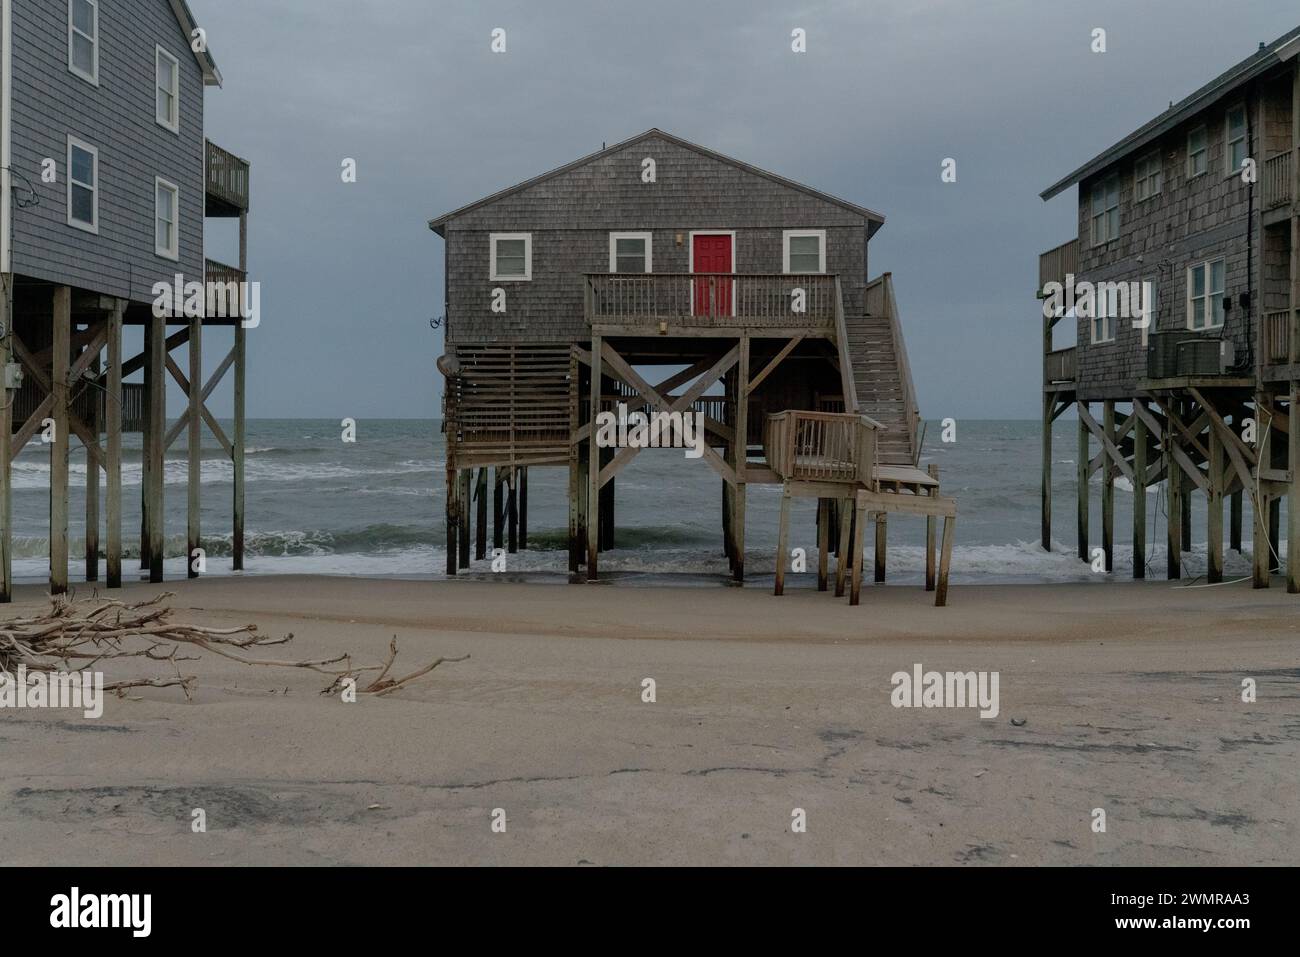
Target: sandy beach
x=1125 y=698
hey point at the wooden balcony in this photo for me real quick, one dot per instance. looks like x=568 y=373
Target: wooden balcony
x=1060 y=365
x=1278 y=182
x=1275 y=335
x=821 y=447
x=651 y=303
x=227 y=182
x=1055 y=264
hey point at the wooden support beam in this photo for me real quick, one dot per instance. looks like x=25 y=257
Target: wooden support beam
x=1261 y=559
x=823 y=542
x=1108 y=485
x=155 y=372
x=94 y=461
x=1083 y=470
x=113 y=450
x=7 y=336
x=239 y=359
x=1110 y=452
x=1174 y=497
x=931 y=521
x=945 y=561
x=593 y=477
x=740 y=455
x=1234 y=521
x=462 y=516
x=1214 y=505
x=523 y=510
x=498 y=508
x=58 y=378
x=1293 y=462
x=1140 y=448
x=146 y=437
x=771 y=366
x=882 y=519
x=845 y=552
x=451 y=522
x=193 y=529
x=860 y=522
x=1045 y=518
x=481 y=515
x=783 y=541
x=512 y=511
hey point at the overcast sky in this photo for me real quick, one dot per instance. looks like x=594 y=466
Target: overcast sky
x=887 y=89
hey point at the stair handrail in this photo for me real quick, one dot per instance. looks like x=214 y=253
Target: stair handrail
x=847 y=382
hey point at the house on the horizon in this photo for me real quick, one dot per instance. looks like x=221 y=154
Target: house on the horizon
x=562 y=291
x=1186 y=290
x=107 y=177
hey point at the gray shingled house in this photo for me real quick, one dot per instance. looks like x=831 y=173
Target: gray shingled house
x=656 y=252
x=1198 y=210
x=107 y=178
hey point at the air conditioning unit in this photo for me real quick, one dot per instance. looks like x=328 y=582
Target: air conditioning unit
x=1199 y=357
x=1162 y=352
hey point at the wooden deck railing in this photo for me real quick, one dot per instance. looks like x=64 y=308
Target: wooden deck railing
x=1055 y=264
x=1276 y=347
x=1277 y=181
x=1060 y=366
x=87 y=404
x=227 y=177
x=723 y=300
x=821 y=446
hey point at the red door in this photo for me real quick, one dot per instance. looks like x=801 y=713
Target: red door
x=712 y=253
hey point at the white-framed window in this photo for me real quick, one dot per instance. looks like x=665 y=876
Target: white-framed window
x=1105 y=210
x=630 y=252
x=1198 y=152
x=1105 y=309
x=1205 y=297
x=1148 y=177
x=167 y=204
x=83 y=185
x=1238 y=145
x=511 y=256
x=167 y=90
x=83 y=39
x=803 y=251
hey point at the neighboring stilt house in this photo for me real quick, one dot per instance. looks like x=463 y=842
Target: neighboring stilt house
x=1200 y=207
x=107 y=178
x=563 y=291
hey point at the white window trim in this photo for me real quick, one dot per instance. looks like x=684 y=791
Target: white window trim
x=1118 y=207
x=92 y=227
x=93 y=76
x=1209 y=315
x=1227 y=137
x=174 y=253
x=172 y=123
x=528 y=257
x=649 y=252
x=1160 y=176
x=1101 y=310
x=789 y=234
x=1191 y=173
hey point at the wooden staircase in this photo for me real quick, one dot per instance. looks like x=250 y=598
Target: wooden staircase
x=882 y=376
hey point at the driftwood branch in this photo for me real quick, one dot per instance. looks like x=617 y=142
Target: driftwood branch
x=79 y=634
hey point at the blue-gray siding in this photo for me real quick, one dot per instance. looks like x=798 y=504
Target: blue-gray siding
x=117 y=117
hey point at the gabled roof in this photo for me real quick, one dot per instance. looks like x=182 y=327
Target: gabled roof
x=211 y=75
x=1264 y=59
x=875 y=219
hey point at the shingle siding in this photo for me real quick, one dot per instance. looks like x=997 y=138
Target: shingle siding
x=1191 y=221
x=572 y=214
x=116 y=117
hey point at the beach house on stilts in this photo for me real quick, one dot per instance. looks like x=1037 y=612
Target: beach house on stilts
x=1180 y=303
x=107 y=179
x=746 y=290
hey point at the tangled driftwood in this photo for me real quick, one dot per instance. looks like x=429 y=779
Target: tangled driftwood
x=80 y=634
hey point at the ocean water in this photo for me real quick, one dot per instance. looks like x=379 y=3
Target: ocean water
x=375 y=508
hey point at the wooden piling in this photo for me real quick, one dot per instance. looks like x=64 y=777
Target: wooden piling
x=1261 y=560
x=155 y=370
x=481 y=513
x=146 y=458
x=1141 y=438
x=1045 y=493
x=96 y=426
x=823 y=542
x=113 y=448
x=498 y=508
x=1293 y=503
x=462 y=517
x=193 y=534
x=1082 y=516
x=237 y=440
x=593 y=476
x=523 y=510
x=1108 y=473
x=882 y=538
x=512 y=512
x=846 y=507
x=1214 y=507
x=450 y=519
x=1275 y=534
x=6 y=442
x=59 y=356
x=859 y=556
x=782 y=541
x=1174 y=507
x=945 y=561
x=1234 y=525
x=740 y=454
